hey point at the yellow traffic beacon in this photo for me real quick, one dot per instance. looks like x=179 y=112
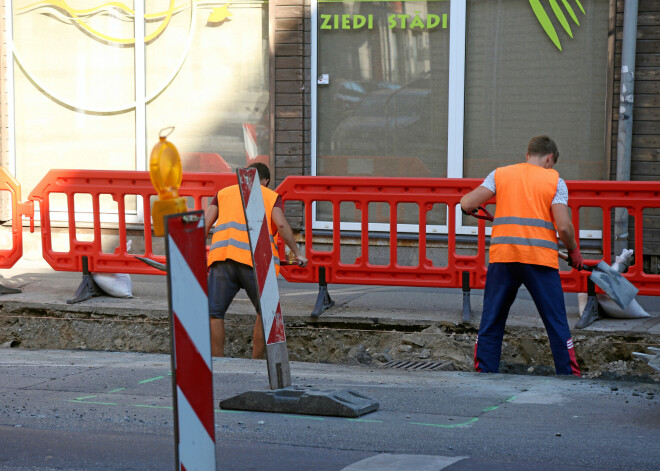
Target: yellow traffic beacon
x=166 y=174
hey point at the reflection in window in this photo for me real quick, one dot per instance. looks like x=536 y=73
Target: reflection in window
x=384 y=111
x=519 y=85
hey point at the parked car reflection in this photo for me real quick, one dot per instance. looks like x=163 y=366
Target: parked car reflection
x=391 y=121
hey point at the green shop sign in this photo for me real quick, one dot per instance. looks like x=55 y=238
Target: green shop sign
x=395 y=20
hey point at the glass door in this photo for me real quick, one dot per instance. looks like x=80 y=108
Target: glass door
x=382 y=93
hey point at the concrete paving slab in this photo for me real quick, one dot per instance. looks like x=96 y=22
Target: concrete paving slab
x=391 y=462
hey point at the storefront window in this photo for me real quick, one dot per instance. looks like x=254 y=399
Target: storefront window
x=73 y=90
x=86 y=94
x=382 y=94
x=210 y=76
x=383 y=111
x=519 y=84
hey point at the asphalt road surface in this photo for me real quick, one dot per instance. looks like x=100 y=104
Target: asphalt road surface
x=62 y=410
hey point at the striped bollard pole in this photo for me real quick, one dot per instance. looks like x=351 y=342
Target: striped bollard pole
x=192 y=371
x=277 y=357
x=250 y=142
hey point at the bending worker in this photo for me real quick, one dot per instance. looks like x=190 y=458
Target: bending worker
x=532 y=208
x=230 y=258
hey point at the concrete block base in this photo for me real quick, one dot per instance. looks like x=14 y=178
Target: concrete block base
x=303 y=400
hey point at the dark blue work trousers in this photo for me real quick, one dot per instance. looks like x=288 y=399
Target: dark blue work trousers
x=543 y=283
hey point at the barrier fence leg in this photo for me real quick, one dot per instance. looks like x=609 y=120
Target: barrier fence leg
x=88 y=287
x=467 y=310
x=592 y=311
x=7 y=290
x=323 y=300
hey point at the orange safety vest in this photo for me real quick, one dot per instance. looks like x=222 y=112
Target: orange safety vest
x=524 y=229
x=230 y=236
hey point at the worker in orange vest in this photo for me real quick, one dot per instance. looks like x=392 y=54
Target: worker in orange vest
x=532 y=208
x=230 y=257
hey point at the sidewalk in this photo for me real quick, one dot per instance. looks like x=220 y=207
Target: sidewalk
x=368 y=324
x=42 y=286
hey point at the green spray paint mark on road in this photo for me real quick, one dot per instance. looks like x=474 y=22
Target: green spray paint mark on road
x=153 y=407
x=116 y=390
x=308 y=417
x=93 y=402
x=471 y=421
x=150 y=379
x=84 y=397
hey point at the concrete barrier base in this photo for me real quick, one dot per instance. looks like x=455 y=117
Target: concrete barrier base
x=303 y=400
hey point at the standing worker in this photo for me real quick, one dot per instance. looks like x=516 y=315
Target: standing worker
x=532 y=208
x=230 y=258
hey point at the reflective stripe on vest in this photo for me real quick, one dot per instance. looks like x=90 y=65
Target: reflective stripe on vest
x=240 y=227
x=523 y=229
x=230 y=236
x=524 y=241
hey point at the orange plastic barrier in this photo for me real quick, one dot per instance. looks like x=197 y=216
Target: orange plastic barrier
x=119 y=185
x=636 y=197
x=425 y=192
x=8 y=257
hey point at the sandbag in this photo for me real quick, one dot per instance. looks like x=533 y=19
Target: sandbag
x=118 y=285
x=612 y=309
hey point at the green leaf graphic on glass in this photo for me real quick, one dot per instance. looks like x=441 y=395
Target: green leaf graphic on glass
x=546 y=23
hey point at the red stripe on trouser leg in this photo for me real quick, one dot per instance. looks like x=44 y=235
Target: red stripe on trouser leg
x=571 y=353
x=476 y=361
x=193 y=377
x=277 y=330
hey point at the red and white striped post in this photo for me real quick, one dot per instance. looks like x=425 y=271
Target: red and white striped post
x=251 y=148
x=192 y=371
x=277 y=356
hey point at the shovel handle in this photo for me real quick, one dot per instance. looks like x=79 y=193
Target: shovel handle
x=564 y=257
x=476 y=214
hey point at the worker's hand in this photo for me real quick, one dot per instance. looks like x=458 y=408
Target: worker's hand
x=302 y=260
x=475 y=213
x=575 y=259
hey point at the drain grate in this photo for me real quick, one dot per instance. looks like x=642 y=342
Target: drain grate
x=421 y=365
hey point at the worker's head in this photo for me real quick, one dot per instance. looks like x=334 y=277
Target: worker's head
x=263 y=171
x=543 y=146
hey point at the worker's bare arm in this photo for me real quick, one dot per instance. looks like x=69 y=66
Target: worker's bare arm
x=565 y=229
x=210 y=216
x=285 y=231
x=476 y=198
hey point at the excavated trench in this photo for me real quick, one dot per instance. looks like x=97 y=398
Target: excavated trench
x=422 y=345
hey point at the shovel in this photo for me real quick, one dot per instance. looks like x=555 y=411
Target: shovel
x=163 y=267
x=610 y=281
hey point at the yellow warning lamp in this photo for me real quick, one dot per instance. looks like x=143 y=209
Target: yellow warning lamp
x=166 y=174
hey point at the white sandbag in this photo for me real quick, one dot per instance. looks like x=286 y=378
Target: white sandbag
x=612 y=309
x=118 y=285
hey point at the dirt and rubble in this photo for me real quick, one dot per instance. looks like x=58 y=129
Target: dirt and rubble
x=606 y=355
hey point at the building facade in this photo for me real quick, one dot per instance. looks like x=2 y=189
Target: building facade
x=431 y=88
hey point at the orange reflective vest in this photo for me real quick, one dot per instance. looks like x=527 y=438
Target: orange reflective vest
x=524 y=229
x=230 y=236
